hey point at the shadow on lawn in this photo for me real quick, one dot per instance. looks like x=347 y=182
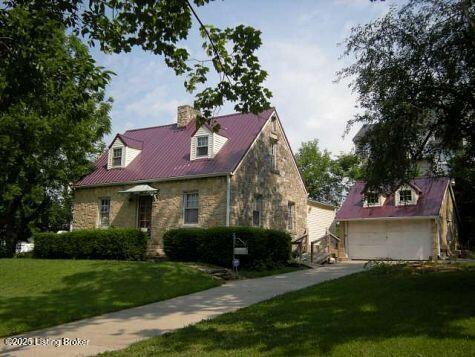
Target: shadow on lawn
x=364 y=307
x=105 y=288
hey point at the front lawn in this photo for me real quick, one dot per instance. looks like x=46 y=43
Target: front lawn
x=37 y=293
x=385 y=312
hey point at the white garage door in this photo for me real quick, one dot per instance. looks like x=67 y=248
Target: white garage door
x=399 y=239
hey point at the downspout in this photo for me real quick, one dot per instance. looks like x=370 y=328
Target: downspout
x=228 y=198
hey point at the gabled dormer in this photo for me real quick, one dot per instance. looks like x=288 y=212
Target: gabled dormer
x=406 y=195
x=206 y=144
x=373 y=199
x=122 y=151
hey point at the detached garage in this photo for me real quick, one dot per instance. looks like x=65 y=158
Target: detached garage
x=417 y=222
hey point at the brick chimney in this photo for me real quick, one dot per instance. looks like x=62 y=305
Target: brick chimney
x=186 y=113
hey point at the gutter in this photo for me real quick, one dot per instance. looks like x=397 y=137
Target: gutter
x=385 y=218
x=176 y=178
x=228 y=199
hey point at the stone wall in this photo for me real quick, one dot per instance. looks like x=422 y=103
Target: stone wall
x=256 y=177
x=167 y=208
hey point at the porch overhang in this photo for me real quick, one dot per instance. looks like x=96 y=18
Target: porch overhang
x=140 y=190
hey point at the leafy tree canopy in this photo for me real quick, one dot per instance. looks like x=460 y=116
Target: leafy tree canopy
x=327 y=179
x=414 y=73
x=53 y=115
x=161 y=27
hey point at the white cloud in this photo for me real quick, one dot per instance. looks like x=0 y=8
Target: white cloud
x=308 y=101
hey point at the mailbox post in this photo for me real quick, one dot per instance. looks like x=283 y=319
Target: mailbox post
x=238 y=250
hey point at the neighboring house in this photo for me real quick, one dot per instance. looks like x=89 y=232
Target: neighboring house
x=320 y=219
x=424 y=165
x=418 y=222
x=178 y=175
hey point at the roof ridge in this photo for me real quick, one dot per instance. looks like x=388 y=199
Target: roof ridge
x=216 y=117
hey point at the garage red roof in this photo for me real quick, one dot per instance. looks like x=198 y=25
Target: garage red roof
x=430 y=199
x=166 y=151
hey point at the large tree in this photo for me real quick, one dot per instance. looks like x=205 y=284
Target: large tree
x=53 y=115
x=327 y=179
x=414 y=74
x=161 y=27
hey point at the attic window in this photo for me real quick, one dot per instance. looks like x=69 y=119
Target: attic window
x=372 y=199
x=202 y=146
x=117 y=157
x=405 y=196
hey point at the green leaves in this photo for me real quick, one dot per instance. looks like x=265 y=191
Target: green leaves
x=326 y=179
x=414 y=73
x=160 y=27
x=53 y=115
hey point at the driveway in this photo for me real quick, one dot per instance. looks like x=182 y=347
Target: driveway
x=119 y=329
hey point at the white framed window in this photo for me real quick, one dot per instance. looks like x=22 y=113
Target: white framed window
x=290 y=216
x=116 y=157
x=190 y=207
x=405 y=196
x=257 y=212
x=202 y=146
x=274 y=156
x=372 y=199
x=104 y=212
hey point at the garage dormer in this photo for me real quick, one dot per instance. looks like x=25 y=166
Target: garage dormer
x=122 y=151
x=206 y=144
x=373 y=199
x=406 y=195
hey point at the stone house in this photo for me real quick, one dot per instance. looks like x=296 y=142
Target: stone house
x=178 y=175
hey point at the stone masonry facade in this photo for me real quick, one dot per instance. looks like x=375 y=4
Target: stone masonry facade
x=278 y=187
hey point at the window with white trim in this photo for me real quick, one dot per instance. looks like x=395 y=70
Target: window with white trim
x=405 y=196
x=190 y=207
x=104 y=212
x=116 y=157
x=202 y=146
x=257 y=212
x=290 y=216
x=372 y=199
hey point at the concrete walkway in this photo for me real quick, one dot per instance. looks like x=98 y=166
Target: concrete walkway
x=117 y=330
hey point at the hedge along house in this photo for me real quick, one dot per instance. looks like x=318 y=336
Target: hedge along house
x=418 y=222
x=178 y=175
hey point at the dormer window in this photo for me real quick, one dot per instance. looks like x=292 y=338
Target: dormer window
x=405 y=196
x=372 y=199
x=202 y=146
x=117 y=157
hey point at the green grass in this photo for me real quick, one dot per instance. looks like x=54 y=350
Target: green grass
x=37 y=293
x=386 y=312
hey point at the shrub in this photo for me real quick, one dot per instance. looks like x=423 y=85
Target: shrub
x=267 y=248
x=113 y=243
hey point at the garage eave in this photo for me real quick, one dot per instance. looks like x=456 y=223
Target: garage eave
x=385 y=218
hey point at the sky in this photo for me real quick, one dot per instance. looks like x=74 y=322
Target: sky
x=300 y=52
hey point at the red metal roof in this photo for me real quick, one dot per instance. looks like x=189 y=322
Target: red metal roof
x=430 y=199
x=166 y=151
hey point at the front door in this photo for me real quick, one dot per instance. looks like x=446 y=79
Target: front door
x=145 y=212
